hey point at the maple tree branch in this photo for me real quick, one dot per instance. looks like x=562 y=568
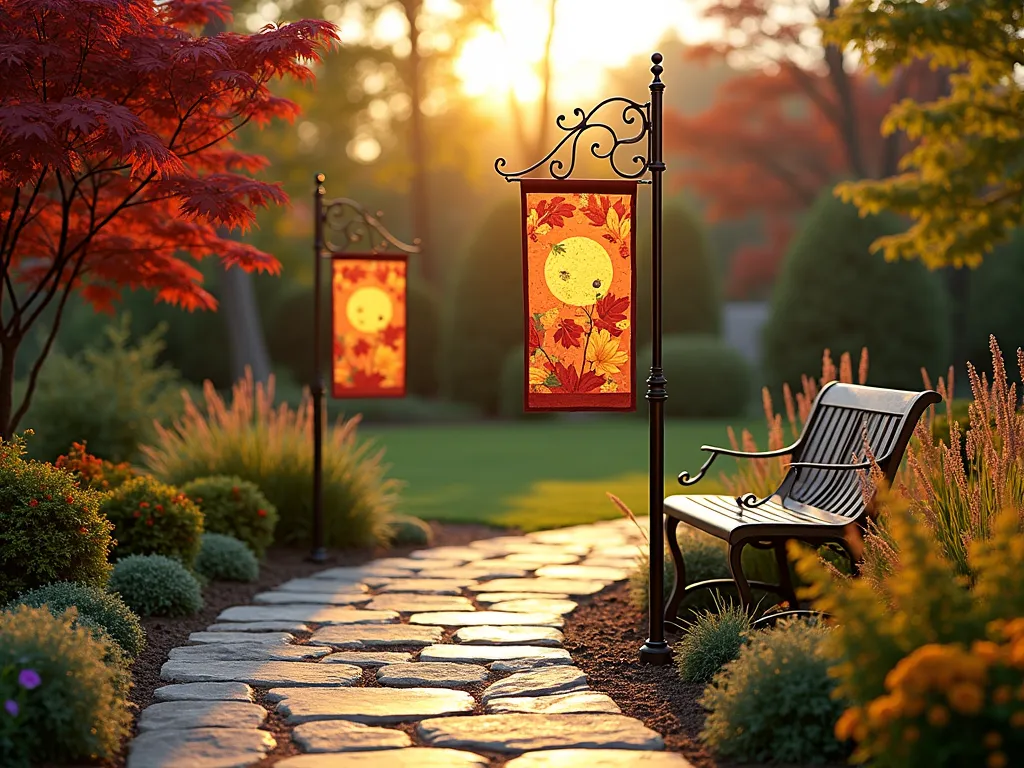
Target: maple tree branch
x=220 y=138
x=11 y=246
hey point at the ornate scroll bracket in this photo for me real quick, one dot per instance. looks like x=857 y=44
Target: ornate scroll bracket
x=606 y=147
x=357 y=229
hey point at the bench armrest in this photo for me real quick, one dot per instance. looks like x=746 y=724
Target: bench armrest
x=816 y=465
x=685 y=479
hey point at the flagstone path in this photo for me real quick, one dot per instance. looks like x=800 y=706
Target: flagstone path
x=448 y=658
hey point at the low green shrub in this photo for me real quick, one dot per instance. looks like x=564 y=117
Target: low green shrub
x=707 y=379
x=96 y=609
x=234 y=507
x=711 y=641
x=774 y=703
x=50 y=529
x=118 y=390
x=155 y=585
x=406 y=530
x=62 y=703
x=272 y=446
x=152 y=518
x=225 y=558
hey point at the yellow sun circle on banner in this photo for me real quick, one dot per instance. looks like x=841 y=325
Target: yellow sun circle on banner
x=369 y=309
x=578 y=271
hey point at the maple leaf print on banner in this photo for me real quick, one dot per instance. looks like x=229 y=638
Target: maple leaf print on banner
x=368 y=311
x=579 y=267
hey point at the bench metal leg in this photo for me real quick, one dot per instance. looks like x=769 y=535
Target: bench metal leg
x=785 y=578
x=742 y=585
x=679 y=584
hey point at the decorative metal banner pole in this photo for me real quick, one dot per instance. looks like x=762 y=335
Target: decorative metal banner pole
x=576 y=290
x=362 y=241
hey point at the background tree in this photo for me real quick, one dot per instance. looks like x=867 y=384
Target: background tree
x=116 y=158
x=963 y=182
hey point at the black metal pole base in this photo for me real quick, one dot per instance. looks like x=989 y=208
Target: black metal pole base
x=318 y=555
x=656 y=654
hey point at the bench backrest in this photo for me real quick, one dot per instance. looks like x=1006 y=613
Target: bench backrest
x=841 y=417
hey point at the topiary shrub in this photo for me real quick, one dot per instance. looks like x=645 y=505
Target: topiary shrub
x=406 y=530
x=711 y=641
x=152 y=518
x=485 y=314
x=96 y=608
x=692 y=295
x=707 y=379
x=64 y=703
x=118 y=391
x=155 y=585
x=94 y=472
x=225 y=558
x=832 y=293
x=234 y=507
x=774 y=702
x=50 y=528
x=272 y=445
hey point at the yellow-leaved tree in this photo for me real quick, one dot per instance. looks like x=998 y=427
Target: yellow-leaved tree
x=963 y=181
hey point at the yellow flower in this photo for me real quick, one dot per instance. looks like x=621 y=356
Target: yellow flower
x=531 y=223
x=605 y=354
x=388 y=363
x=538 y=375
x=622 y=324
x=609 y=386
x=938 y=716
x=549 y=319
x=966 y=698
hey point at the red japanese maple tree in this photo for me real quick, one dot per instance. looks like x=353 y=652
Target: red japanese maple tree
x=117 y=168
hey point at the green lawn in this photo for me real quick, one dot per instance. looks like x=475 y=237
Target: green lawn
x=540 y=474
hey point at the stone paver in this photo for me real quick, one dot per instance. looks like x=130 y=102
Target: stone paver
x=522 y=733
x=541 y=682
x=204 y=692
x=373 y=706
x=570 y=587
x=473 y=613
x=262 y=674
x=414 y=757
x=343 y=736
x=276 y=638
x=546 y=636
x=483 y=654
x=168 y=715
x=376 y=636
x=486 y=618
x=557 y=704
x=368 y=659
x=599 y=758
x=259 y=627
x=425 y=674
x=404 y=603
x=199 y=748
x=247 y=652
x=537 y=605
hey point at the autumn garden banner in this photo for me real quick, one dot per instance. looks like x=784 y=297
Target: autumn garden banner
x=368 y=302
x=579 y=259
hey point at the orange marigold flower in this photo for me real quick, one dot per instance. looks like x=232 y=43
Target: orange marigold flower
x=883 y=709
x=966 y=698
x=1002 y=695
x=938 y=716
x=986 y=650
x=70 y=500
x=1017 y=720
x=847 y=724
x=996 y=760
x=992 y=740
x=143 y=505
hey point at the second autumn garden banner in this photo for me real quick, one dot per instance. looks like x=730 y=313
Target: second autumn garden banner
x=579 y=260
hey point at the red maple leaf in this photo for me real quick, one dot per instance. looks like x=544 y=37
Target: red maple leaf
x=535 y=337
x=361 y=347
x=568 y=333
x=353 y=273
x=611 y=310
x=571 y=381
x=366 y=379
x=554 y=211
x=339 y=349
x=596 y=209
x=392 y=335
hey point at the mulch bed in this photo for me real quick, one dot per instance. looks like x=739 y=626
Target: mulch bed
x=280 y=565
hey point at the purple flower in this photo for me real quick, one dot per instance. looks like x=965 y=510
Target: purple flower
x=29 y=679
x=12 y=707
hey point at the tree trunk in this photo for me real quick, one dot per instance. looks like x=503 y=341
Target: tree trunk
x=847 y=108
x=545 y=99
x=429 y=268
x=7 y=354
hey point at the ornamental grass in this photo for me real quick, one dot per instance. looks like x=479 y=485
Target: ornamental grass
x=271 y=445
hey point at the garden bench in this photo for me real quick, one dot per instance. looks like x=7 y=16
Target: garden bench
x=821 y=496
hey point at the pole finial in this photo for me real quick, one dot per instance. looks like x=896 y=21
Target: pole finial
x=319 y=178
x=657 y=69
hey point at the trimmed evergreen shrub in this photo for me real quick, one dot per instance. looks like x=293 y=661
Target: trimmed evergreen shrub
x=225 y=558
x=485 y=315
x=66 y=703
x=692 y=300
x=707 y=379
x=712 y=640
x=50 y=528
x=152 y=518
x=234 y=507
x=832 y=293
x=774 y=702
x=154 y=585
x=406 y=529
x=96 y=609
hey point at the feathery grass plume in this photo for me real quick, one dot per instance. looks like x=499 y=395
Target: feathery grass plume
x=272 y=446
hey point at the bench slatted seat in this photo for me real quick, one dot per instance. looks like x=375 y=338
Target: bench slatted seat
x=821 y=495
